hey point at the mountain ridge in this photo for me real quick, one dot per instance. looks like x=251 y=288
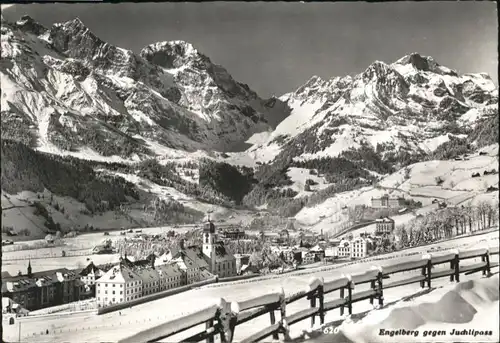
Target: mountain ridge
x=175 y=125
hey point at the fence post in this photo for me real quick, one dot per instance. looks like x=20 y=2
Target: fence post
x=283 y=328
x=228 y=319
x=350 y=287
x=273 y=321
x=487 y=258
x=372 y=286
x=342 y=295
x=208 y=325
x=379 y=286
x=456 y=264
x=321 y=299
x=452 y=266
x=427 y=268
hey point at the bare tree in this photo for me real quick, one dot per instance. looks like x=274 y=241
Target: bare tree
x=355 y=213
x=469 y=214
x=482 y=213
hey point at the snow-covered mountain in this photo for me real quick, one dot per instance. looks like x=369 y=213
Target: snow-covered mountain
x=65 y=90
x=410 y=106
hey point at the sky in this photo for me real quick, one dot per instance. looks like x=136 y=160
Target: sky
x=276 y=47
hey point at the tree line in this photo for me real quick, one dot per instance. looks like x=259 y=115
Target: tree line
x=27 y=169
x=447 y=223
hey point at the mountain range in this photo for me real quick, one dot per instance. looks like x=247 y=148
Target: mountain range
x=165 y=129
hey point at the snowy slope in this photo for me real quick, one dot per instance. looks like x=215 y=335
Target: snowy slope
x=417 y=182
x=409 y=105
x=62 y=82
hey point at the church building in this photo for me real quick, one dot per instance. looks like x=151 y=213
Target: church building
x=220 y=261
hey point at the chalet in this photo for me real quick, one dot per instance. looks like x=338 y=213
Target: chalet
x=103 y=249
x=308 y=257
x=333 y=250
x=384 y=225
x=249 y=269
x=386 y=201
x=442 y=204
x=483 y=153
x=491 y=189
x=241 y=260
x=34 y=291
x=49 y=239
x=90 y=274
x=319 y=252
x=476 y=175
x=435 y=201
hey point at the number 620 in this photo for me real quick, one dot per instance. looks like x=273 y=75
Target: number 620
x=330 y=329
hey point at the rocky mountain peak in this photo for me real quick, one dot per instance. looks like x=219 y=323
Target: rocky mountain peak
x=28 y=24
x=74 y=39
x=424 y=63
x=174 y=54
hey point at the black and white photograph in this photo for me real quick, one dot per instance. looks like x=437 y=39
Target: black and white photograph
x=239 y=172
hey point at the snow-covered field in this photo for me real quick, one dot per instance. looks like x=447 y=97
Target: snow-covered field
x=113 y=326
x=433 y=316
x=43 y=259
x=418 y=182
x=23 y=215
x=299 y=176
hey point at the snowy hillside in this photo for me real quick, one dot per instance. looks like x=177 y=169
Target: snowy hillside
x=162 y=131
x=412 y=105
x=64 y=90
x=418 y=182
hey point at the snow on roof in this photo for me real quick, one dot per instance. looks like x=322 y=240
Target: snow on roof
x=148 y=275
x=344 y=243
x=316 y=248
x=91 y=269
x=169 y=270
x=384 y=220
x=119 y=274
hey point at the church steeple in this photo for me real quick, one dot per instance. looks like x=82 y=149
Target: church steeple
x=29 y=268
x=209 y=236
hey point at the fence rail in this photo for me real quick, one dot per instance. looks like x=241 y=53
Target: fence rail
x=223 y=318
x=68 y=253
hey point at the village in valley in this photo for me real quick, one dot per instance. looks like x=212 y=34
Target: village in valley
x=153 y=263
x=149 y=194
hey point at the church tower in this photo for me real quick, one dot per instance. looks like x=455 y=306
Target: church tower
x=209 y=243
x=29 y=269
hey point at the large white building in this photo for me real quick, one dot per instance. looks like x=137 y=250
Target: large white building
x=359 y=247
x=344 y=249
x=118 y=285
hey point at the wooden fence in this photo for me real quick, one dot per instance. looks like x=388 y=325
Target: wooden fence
x=223 y=318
